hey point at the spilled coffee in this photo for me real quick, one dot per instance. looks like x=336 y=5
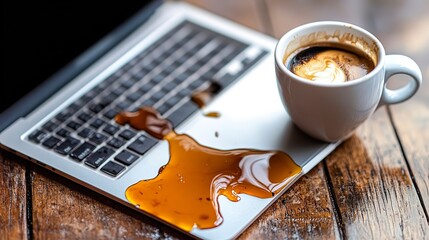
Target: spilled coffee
x=185 y=192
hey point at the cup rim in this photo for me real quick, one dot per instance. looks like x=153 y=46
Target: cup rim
x=343 y=25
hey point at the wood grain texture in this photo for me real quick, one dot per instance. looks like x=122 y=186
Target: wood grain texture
x=13 y=207
x=408 y=34
x=372 y=186
x=65 y=210
x=304 y=212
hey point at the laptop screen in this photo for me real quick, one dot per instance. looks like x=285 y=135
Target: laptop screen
x=40 y=37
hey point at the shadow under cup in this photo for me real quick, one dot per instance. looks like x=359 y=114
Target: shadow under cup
x=329 y=111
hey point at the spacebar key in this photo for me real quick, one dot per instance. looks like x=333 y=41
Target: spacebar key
x=182 y=113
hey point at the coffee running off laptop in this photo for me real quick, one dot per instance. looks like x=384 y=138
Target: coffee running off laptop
x=229 y=136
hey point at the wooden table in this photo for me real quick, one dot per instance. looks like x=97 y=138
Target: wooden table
x=373 y=186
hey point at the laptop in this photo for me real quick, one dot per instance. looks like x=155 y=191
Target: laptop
x=159 y=56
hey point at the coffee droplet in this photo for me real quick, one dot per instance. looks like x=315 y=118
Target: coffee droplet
x=212 y=114
x=330 y=65
x=185 y=192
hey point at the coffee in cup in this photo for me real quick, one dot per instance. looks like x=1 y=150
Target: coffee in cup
x=332 y=76
x=327 y=62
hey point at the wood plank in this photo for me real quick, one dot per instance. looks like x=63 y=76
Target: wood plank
x=13 y=207
x=370 y=178
x=412 y=124
x=304 y=212
x=372 y=185
x=408 y=34
x=65 y=210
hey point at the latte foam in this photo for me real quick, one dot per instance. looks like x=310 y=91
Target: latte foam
x=330 y=65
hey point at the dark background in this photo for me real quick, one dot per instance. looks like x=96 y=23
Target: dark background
x=40 y=37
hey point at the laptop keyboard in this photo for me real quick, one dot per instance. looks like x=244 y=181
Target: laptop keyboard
x=186 y=59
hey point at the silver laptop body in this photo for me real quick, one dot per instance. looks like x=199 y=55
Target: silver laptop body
x=252 y=117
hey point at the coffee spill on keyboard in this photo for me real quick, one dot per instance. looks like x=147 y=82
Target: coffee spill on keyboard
x=203 y=97
x=185 y=192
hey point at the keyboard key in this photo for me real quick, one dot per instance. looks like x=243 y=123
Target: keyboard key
x=126 y=158
x=182 y=77
x=96 y=107
x=183 y=112
x=163 y=108
x=134 y=96
x=99 y=157
x=118 y=91
x=97 y=138
x=63 y=116
x=127 y=83
x=116 y=142
x=107 y=99
x=51 y=142
x=157 y=78
x=50 y=126
x=37 y=136
x=82 y=151
x=84 y=117
x=142 y=144
x=123 y=105
x=86 y=132
x=98 y=89
x=157 y=96
x=169 y=86
x=73 y=125
x=63 y=133
x=110 y=114
x=139 y=73
x=74 y=107
x=97 y=123
x=112 y=168
x=127 y=134
x=184 y=92
x=67 y=146
x=173 y=100
x=169 y=69
x=110 y=129
x=148 y=102
x=195 y=84
x=146 y=87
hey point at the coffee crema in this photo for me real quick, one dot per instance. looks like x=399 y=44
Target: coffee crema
x=330 y=64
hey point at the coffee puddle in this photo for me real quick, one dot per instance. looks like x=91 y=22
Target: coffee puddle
x=185 y=192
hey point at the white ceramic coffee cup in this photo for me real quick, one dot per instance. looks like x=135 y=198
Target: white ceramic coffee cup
x=332 y=111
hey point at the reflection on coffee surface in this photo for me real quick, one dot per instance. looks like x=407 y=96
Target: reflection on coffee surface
x=185 y=192
x=330 y=64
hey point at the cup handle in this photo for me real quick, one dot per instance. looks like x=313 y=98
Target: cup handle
x=400 y=64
